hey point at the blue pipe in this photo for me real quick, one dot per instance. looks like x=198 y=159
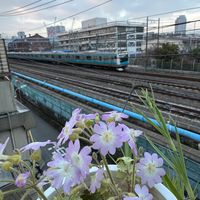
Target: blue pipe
x=189 y=134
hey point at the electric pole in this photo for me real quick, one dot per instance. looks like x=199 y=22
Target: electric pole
x=147 y=35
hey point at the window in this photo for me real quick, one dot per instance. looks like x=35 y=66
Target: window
x=88 y=57
x=131 y=44
x=138 y=44
x=139 y=37
x=59 y=56
x=77 y=57
x=52 y=56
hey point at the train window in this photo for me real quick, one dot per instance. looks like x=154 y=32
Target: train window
x=46 y=56
x=88 y=57
x=100 y=58
x=77 y=57
x=52 y=56
x=59 y=56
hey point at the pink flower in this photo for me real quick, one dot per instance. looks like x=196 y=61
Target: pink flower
x=142 y=192
x=62 y=173
x=107 y=138
x=22 y=179
x=149 y=169
x=80 y=159
x=3 y=146
x=35 y=145
x=96 y=180
x=114 y=116
x=68 y=128
x=131 y=137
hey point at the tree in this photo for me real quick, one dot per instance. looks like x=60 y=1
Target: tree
x=167 y=51
x=196 y=54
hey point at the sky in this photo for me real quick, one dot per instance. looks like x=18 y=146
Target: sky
x=115 y=10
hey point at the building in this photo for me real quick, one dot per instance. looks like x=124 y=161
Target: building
x=38 y=43
x=97 y=34
x=180 y=25
x=21 y=35
x=94 y=22
x=52 y=31
x=185 y=43
x=31 y=43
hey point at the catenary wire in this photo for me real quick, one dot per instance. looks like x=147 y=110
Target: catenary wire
x=21 y=12
x=68 y=17
x=52 y=6
x=27 y=5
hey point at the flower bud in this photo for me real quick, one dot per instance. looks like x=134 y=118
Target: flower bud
x=89 y=123
x=109 y=120
x=97 y=118
x=77 y=130
x=94 y=156
x=15 y=159
x=7 y=166
x=80 y=125
x=74 y=137
x=36 y=155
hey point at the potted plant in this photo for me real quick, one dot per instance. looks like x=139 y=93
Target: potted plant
x=82 y=170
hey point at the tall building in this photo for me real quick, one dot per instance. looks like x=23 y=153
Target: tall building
x=52 y=31
x=180 y=27
x=97 y=34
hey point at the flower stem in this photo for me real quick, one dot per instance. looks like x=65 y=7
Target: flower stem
x=84 y=139
x=133 y=176
x=41 y=194
x=110 y=175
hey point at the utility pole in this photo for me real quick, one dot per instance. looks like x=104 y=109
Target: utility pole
x=147 y=38
x=54 y=31
x=158 y=38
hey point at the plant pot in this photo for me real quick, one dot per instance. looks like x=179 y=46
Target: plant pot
x=159 y=191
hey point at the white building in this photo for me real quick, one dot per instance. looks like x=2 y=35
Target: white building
x=180 y=27
x=97 y=34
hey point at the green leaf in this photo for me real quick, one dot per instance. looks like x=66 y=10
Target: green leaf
x=171 y=187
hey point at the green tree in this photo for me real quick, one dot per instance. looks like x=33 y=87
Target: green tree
x=196 y=54
x=167 y=51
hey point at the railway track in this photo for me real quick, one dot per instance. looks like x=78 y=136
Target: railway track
x=176 y=109
x=115 y=82
x=193 y=83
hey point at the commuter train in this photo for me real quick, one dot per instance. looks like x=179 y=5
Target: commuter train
x=101 y=59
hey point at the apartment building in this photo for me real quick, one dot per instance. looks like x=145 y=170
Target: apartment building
x=98 y=34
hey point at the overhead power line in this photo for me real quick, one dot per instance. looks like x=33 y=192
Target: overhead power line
x=175 y=24
x=52 y=6
x=41 y=5
x=68 y=17
x=165 y=13
x=8 y=11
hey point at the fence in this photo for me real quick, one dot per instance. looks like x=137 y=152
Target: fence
x=183 y=64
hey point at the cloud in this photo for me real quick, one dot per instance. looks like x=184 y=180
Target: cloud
x=114 y=10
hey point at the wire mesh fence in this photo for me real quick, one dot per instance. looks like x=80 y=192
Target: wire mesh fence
x=183 y=64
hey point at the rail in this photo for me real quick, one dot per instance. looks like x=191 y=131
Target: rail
x=171 y=128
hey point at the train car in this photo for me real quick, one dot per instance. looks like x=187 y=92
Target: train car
x=107 y=60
